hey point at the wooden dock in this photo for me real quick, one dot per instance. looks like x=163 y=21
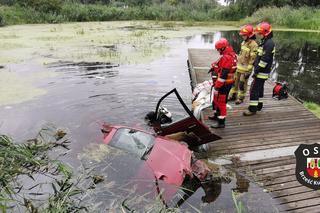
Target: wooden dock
x=266 y=142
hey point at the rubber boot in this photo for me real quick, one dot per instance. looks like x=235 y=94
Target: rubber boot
x=232 y=97
x=239 y=101
x=260 y=105
x=219 y=124
x=214 y=117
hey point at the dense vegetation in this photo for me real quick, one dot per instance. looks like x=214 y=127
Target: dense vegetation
x=33 y=181
x=313 y=107
x=287 y=13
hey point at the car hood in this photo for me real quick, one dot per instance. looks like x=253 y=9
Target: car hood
x=170 y=161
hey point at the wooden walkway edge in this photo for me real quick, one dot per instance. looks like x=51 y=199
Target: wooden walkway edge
x=281 y=125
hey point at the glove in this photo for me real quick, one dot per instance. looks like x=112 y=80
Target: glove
x=254 y=75
x=211 y=70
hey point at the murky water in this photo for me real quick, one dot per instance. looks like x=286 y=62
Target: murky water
x=81 y=96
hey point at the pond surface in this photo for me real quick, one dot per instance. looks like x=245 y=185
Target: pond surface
x=81 y=96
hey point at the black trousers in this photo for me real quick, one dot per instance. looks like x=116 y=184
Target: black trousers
x=256 y=92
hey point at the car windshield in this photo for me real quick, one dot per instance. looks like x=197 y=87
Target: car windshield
x=133 y=141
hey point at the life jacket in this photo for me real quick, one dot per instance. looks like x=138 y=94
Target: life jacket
x=228 y=61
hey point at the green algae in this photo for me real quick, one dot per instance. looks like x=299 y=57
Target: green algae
x=313 y=107
x=119 y=42
x=16 y=89
x=136 y=42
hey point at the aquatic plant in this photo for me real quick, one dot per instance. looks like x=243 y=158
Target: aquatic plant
x=313 y=107
x=238 y=204
x=28 y=172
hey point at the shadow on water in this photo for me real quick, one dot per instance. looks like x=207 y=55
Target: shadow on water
x=87 y=69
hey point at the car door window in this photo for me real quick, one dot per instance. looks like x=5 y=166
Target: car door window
x=133 y=141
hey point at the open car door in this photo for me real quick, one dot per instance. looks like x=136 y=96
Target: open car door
x=184 y=121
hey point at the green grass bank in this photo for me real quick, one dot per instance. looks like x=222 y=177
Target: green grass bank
x=287 y=17
x=313 y=107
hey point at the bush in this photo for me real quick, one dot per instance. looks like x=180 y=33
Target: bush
x=2 y=21
x=304 y=17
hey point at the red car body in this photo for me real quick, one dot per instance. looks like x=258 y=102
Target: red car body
x=169 y=160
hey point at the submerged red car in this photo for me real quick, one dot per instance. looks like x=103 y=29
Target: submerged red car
x=169 y=160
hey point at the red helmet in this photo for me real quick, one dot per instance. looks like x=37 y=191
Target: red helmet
x=246 y=30
x=264 y=28
x=221 y=44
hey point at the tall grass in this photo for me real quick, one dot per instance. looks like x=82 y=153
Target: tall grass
x=21 y=165
x=76 y=12
x=313 y=107
x=303 y=18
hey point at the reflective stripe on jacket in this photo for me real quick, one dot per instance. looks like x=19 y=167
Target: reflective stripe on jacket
x=264 y=59
x=225 y=68
x=247 y=56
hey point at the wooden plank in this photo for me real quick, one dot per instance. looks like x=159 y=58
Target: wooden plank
x=268 y=160
x=258 y=138
x=271 y=176
x=275 y=169
x=303 y=203
x=309 y=209
x=299 y=197
x=230 y=150
x=269 y=165
x=280 y=180
x=255 y=135
x=292 y=191
x=265 y=141
x=283 y=186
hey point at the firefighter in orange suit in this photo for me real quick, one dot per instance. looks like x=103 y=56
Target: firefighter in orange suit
x=245 y=64
x=262 y=67
x=224 y=68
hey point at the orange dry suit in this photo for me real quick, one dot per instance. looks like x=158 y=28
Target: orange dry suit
x=225 y=68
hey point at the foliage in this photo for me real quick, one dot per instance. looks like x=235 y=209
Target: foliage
x=288 y=17
x=22 y=165
x=2 y=21
x=46 y=6
x=250 y=6
x=55 y=11
x=313 y=107
x=21 y=15
x=238 y=204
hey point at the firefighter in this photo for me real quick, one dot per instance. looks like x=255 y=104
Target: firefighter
x=262 y=67
x=245 y=64
x=224 y=68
